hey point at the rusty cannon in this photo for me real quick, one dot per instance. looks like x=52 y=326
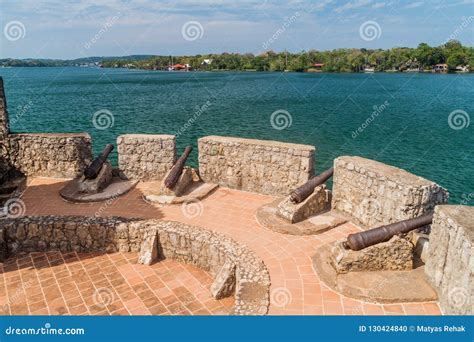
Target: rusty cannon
x=361 y=240
x=92 y=171
x=300 y=194
x=177 y=168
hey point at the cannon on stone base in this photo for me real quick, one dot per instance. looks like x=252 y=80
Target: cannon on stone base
x=388 y=247
x=93 y=170
x=180 y=184
x=98 y=182
x=173 y=176
x=361 y=240
x=308 y=200
x=304 y=191
x=306 y=211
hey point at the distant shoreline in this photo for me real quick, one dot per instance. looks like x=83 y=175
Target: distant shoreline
x=242 y=71
x=451 y=56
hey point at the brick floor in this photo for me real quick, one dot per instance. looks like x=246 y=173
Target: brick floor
x=57 y=283
x=295 y=289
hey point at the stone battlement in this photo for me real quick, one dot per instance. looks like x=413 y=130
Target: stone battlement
x=374 y=194
x=263 y=166
x=61 y=155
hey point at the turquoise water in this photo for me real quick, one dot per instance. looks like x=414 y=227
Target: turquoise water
x=410 y=130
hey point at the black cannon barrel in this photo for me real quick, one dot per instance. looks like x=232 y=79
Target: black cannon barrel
x=358 y=241
x=300 y=194
x=92 y=171
x=177 y=168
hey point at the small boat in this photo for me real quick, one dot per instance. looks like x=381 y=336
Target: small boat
x=369 y=70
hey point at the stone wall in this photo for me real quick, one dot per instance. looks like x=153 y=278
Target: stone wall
x=4 y=129
x=450 y=261
x=146 y=156
x=373 y=193
x=61 y=155
x=208 y=250
x=267 y=167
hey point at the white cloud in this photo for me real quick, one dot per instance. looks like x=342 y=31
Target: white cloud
x=353 y=5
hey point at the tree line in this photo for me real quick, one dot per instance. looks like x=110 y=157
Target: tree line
x=423 y=57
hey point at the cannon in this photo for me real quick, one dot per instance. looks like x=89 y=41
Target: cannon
x=361 y=240
x=177 y=168
x=92 y=171
x=300 y=194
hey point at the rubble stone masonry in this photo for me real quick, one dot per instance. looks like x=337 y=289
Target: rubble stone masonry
x=375 y=194
x=267 y=167
x=146 y=157
x=450 y=261
x=61 y=155
x=207 y=250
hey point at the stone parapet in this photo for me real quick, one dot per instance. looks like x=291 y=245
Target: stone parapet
x=237 y=269
x=376 y=194
x=4 y=124
x=146 y=156
x=267 y=167
x=450 y=260
x=59 y=155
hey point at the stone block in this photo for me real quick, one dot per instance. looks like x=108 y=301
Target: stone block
x=146 y=157
x=224 y=282
x=450 y=262
x=316 y=203
x=421 y=242
x=61 y=155
x=149 y=249
x=268 y=167
x=376 y=194
x=395 y=254
x=103 y=179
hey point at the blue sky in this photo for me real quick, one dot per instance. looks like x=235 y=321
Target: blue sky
x=79 y=28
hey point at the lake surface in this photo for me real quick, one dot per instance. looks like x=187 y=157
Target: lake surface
x=399 y=119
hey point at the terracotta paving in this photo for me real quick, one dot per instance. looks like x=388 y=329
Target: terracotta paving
x=295 y=289
x=57 y=283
